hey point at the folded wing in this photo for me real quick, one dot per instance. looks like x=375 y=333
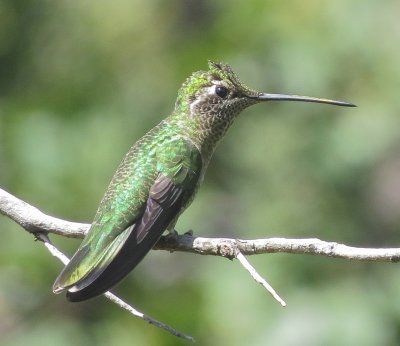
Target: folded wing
x=107 y=255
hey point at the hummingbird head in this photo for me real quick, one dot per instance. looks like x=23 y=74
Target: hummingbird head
x=212 y=99
x=215 y=94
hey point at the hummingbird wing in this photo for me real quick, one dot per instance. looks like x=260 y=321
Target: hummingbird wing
x=103 y=260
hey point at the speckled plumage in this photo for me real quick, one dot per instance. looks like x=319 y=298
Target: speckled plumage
x=156 y=181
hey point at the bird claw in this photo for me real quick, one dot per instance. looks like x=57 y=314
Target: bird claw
x=189 y=232
x=173 y=234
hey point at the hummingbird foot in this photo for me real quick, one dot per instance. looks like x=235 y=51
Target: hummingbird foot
x=173 y=234
x=173 y=239
x=189 y=232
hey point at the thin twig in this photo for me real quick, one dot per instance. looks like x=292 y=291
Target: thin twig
x=111 y=296
x=258 y=278
x=146 y=318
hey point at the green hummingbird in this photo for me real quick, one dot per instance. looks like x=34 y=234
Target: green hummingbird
x=158 y=179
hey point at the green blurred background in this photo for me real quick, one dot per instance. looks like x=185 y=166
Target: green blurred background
x=80 y=81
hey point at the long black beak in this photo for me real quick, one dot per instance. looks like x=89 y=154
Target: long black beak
x=282 y=97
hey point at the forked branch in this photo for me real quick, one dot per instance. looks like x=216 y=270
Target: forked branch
x=33 y=220
x=40 y=224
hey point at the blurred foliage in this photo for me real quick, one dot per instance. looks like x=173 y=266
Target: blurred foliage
x=81 y=81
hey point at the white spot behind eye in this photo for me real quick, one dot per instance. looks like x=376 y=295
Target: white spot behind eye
x=211 y=89
x=208 y=91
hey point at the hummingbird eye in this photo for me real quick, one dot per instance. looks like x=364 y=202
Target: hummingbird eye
x=221 y=91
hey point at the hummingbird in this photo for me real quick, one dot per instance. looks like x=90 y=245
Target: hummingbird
x=159 y=178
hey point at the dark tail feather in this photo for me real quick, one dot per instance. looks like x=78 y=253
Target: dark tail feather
x=142 y=238
x=129 y=256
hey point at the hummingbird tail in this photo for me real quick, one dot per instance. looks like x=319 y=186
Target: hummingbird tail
x=162 y=208
x=127 y=258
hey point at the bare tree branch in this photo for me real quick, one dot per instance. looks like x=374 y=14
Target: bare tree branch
x=225 y=247
x=40 y=224
x=33 y=220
